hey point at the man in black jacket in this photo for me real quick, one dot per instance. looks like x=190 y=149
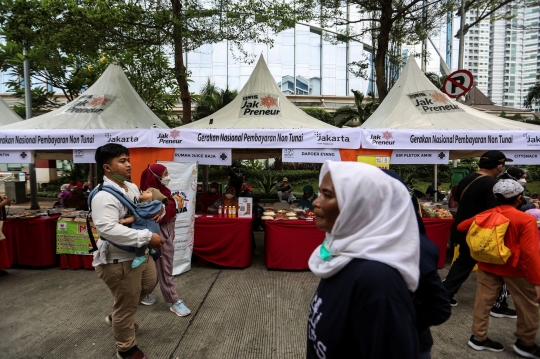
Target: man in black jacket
x=474 y=195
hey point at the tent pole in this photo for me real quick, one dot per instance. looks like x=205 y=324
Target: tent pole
x=205 y=178
x=28 y=105
x=435 y=183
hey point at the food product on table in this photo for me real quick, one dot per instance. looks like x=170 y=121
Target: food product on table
x=443 y=213
x=310 y=214
x=282 y=211
x=268 y=213
x=267 y=218
x=290 y=214
x=280 y=216
x=427 y=211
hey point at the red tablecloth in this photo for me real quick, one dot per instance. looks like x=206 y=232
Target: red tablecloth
x=438 y=230
x=75 y=261
x=223 y=241
x=289 y=244
x=32 y=241
x=5 y=262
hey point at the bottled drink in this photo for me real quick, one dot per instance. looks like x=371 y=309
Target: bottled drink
x=226 y=211
x=220 y=211
x=233 y=212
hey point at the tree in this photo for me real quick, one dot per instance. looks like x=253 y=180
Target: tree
x=353 y=116
x=320 y=114
x=211 y=99
x=175 y=27
x=385 y=23
x=435 y=79
x=533 y=96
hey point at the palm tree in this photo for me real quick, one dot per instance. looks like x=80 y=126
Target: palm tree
x=211 y=99
x=533 y=96
x=353 y=116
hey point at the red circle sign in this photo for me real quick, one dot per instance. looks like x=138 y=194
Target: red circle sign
x=458 y=83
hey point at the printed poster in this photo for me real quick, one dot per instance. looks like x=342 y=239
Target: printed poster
x=245 y=207
x=72 y=238
x=183 y=188
x=382 y=162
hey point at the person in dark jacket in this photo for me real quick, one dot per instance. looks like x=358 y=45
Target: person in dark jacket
x=431 y=302
x=368 y=265
x=307 y=199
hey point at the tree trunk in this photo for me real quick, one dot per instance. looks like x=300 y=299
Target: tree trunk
x=180 y=68
x=383 y=38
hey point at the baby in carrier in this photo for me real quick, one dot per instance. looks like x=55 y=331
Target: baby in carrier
x=150 y=203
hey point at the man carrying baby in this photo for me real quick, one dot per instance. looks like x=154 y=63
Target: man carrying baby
x=113 y=265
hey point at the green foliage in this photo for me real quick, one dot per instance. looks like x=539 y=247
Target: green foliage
x=255 y=165
x=320 y=114
x=435 y=79
x=211 y=99
x=267 y=182
x=533 y=96
x=349 y=116
x=503 y=114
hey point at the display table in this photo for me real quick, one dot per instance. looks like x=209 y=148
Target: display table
x=75 y=261
x=289 y=244
x=223 y=241
x=438 y=230
x=32 y=241
x=5 y=262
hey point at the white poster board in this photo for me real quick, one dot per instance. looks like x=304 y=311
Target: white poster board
x=245 y=207
x=303 y=155
x=84 y=156
x=183 y=188
x=523 y=157
x=16 y=156
x=204 y=156
x=429 y=157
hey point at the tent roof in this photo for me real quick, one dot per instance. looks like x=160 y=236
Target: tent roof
x=398 y=111
x=7 y=116
x=477 y=97
x=114 y=101
x=260 y=82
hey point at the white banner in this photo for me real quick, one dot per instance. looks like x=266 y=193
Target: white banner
x=71 y=139
x=204 y=156
x=523 y=157
x=254 y=138
x=183 y=188
x=260 y=104
x=310 y=155
x=450 y=139
x=84 y=156
x=21 y=156
x=404 y=157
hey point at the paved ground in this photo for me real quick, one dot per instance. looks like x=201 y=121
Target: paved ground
x=250 y=313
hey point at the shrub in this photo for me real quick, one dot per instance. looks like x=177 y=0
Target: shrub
x=320 y=114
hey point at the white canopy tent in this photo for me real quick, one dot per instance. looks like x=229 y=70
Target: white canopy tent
x=7 y=116
x=110 y=103
x=262 y=83
x=403 y=109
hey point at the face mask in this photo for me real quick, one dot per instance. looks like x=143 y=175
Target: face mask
x=522 y=181
x=229 y=196
x=165 y=180
x=119 y=178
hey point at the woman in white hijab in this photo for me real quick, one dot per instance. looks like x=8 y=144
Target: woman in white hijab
x=369 y=265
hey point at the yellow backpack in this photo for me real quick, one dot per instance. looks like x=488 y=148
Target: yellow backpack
x=486 y=237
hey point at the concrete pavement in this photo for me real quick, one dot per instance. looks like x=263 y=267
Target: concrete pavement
x=250 y=313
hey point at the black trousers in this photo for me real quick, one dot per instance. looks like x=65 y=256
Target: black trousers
x=460 y=271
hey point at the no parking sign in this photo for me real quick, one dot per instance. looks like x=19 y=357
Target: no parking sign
x=458 y=83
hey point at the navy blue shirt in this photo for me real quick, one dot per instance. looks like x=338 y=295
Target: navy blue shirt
x=363 y=311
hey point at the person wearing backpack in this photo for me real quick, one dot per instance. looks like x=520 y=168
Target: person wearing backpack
x=520 y=271
x=127 y=285
x=474 y=194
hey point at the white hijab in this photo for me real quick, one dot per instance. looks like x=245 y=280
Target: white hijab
x=376 y=222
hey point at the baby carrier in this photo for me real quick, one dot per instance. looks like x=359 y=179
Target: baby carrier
x=130 y=205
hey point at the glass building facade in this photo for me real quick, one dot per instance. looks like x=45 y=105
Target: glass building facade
x=305 y=60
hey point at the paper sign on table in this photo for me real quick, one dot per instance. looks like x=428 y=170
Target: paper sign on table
x=246 y=207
